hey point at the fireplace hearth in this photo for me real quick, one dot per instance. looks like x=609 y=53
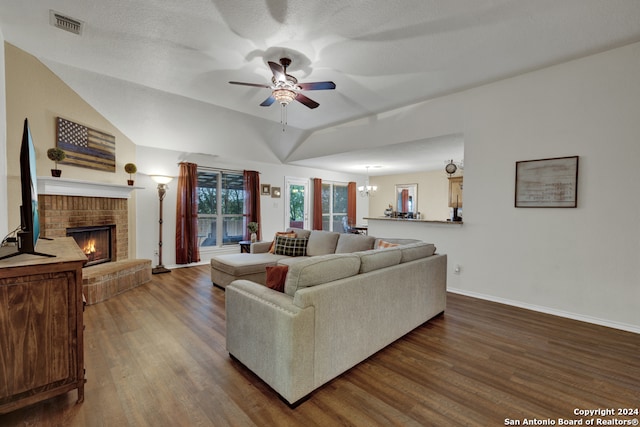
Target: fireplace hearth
x=95 y=241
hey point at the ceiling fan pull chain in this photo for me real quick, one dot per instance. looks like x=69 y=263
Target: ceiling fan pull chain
x=283 y=116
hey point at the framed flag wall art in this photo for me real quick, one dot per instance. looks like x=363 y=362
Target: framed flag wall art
x=86 y=147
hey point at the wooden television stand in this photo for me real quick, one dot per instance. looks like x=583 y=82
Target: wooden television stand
x=41 y=324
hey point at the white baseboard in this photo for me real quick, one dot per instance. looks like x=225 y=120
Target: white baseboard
x=547 y=310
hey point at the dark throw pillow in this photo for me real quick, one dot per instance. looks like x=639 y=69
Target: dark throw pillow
x=272 y=248
x=276 y=276
x=290 y=246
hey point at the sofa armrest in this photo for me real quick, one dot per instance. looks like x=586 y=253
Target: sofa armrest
x=259 y=247
x=271 y=336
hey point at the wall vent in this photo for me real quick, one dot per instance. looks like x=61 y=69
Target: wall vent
x=65 y=23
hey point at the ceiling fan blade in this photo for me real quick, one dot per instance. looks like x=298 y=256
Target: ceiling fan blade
x=317 y=86
x=278 y=71
x=306 y=101
x=267 y=102
x=250 y=84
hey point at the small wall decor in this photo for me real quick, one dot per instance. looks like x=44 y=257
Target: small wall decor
x=547 y=183
x=265 y=189
x=86 y=147
x=275 y=192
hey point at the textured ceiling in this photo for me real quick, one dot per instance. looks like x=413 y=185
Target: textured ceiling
x=169 y=63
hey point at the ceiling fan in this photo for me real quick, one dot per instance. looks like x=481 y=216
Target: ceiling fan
x=285 y=88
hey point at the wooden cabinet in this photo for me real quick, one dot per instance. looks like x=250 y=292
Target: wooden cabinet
x=41 y=324
x=455 y=192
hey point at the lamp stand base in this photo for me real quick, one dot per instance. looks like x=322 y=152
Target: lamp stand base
x=160 y=269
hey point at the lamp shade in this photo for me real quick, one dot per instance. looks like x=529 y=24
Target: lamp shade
x=161 y=179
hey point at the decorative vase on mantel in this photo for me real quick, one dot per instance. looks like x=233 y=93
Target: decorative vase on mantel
x=254 y=237
x=56 y=173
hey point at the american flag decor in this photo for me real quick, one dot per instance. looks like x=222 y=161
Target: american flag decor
x=86 y=147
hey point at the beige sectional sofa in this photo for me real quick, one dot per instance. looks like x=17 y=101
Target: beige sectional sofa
x=227 y=268
x=336 y=310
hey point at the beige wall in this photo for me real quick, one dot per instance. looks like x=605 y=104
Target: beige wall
x=4 y=226
x=433 y=193
x=34 y=92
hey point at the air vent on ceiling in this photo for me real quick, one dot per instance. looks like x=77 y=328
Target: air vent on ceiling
x=65 y=23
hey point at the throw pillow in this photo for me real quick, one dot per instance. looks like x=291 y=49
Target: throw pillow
x=276 y=276
x=290 y=246
x=382 y=244
x=272 y=248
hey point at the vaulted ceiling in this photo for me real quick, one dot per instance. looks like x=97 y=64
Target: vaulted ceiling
x=159 y=70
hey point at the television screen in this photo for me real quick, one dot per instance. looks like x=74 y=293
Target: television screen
x=35 y=219
x=29 y=219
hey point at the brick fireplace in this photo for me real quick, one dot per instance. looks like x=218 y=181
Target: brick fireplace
x=59 y=213
x=67 y=206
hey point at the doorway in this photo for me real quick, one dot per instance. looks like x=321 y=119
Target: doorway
x=296 y=203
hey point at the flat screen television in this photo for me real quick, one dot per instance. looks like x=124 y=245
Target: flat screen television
x=29 y=220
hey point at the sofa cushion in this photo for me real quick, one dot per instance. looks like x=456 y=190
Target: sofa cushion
x=290 y=246
x=276 y=276
x=300 y=232
x=348 y=243
x=290 y=260
x=320 y=269
x=379 y=258
x=414 y=251
x=322 y=242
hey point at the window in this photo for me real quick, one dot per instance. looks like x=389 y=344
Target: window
x=334 y=206
x=220 y=201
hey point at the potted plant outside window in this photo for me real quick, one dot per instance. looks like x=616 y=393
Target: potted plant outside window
x=57 y=155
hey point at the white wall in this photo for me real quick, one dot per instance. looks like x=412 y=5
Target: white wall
x=580 y=263
x=152 y=161
x=4 y=221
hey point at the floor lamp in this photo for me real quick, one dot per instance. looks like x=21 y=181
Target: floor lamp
x=162 y=191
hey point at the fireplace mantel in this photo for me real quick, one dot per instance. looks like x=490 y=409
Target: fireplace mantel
x=75 y=187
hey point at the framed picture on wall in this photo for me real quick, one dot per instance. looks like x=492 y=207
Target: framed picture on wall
x=275 y=192
x=265 y=189
x=547 y=183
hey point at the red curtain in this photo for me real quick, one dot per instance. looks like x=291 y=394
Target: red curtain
x=317 y=204
x=187 y=215
x=405 y=200
x=252 y=202
x=351 y=203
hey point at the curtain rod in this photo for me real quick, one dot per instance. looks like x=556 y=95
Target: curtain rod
x=211 y=168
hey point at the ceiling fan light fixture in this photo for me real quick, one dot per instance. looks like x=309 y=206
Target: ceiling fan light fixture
x=284 y=96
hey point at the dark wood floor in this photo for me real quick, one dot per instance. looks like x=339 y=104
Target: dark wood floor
x=155 y=356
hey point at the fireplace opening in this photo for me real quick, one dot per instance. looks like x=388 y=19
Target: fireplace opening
x=95 y=242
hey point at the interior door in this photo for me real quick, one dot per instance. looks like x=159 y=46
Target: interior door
x=296 y=203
